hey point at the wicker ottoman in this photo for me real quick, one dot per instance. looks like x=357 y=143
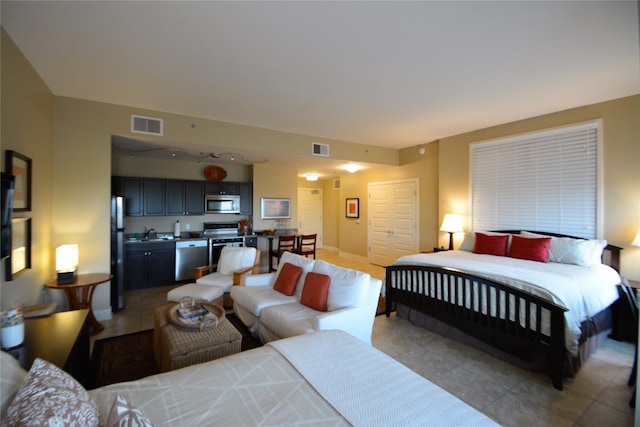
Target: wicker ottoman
x=176 y=347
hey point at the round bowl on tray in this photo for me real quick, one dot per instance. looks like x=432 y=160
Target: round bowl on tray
x=196 y=315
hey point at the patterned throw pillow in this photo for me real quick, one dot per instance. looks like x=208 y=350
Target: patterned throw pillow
x=49 y=397
x=123 y=413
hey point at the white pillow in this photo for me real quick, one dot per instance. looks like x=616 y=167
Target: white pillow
x=567 y=250
x=300 y=261
x=348 y=287
x=230 y=260
x=12 y=378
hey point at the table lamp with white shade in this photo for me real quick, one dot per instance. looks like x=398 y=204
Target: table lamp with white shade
x=67 y=263
x=452 y=223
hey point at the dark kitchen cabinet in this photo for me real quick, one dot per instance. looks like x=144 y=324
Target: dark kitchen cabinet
x=174 y=197
x=246 y=198
x=153 y=196
x=132 y=191
x=148 y=265
x=216 y=187
x=194 y=197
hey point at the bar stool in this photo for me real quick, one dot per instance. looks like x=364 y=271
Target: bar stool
x=307 y=245
x=285 y=244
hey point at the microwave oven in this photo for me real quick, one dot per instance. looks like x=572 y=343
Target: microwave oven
x=221 y=203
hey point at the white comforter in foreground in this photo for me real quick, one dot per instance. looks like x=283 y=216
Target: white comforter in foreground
x=323 y=378
x=585 y=291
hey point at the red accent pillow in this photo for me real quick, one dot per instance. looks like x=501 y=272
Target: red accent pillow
x=287 y=279
x=531 y=249
x=316 y=291
x=491 y=245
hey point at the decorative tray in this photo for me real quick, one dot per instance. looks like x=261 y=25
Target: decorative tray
x=214 y=173
x=196 y=315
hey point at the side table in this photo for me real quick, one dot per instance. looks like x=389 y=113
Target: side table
x=60 y=338
x=87 y=283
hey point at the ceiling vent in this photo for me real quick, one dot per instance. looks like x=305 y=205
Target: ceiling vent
x=146 y=125
x=318 y=149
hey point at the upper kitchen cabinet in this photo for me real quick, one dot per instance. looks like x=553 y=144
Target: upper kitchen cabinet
x=174 y=197
x=246 y=198
x=132 y=191
x=194 y=197
x=219 y=187
x=153 y=196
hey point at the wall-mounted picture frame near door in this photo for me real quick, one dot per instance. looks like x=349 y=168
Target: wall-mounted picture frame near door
x=19 y=166
x=20 y=256
x=274 y=208
x=353 y=208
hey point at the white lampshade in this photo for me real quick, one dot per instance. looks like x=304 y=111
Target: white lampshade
x=66 y=257
x=636 y=241
x=452 y=223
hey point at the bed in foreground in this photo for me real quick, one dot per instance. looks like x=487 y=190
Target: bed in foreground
x=552 y=314
x=321 y=378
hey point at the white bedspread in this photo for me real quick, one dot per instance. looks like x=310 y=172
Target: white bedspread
x=585 y=291
x=326 y=378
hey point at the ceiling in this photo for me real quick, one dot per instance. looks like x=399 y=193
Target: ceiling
x=393 y=74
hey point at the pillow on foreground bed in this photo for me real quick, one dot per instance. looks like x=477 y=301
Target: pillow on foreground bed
x=491 y=245
x=122 y=413
x=533 y=249
x=566 y=250
x=49 y=396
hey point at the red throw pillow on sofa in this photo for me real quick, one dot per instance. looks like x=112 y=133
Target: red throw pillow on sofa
x=531 y=249
x=491 y=245
x=316 y=291
x=287 y=279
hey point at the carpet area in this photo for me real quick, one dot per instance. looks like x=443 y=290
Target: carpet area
x=130 y=357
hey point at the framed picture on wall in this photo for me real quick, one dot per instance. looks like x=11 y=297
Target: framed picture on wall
x=20 y=167
x=20 y=256
x=353 y=208
x=271 y=208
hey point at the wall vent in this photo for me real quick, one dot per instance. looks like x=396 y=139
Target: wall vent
x=336 y=184
x=147 y=125
x=318 y=149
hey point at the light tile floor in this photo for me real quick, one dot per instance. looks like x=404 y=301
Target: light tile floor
x=598 y=396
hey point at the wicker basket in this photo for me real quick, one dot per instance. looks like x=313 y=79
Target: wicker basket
x=214 y=314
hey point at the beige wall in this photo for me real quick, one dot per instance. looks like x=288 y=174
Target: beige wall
x=621 y=135
x=26 y=128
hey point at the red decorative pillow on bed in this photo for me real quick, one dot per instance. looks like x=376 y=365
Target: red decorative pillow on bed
x=491 y=245
x=287 y=278
x=531 y=249
x=316 y=291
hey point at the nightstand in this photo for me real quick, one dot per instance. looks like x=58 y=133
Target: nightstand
x=439 y=249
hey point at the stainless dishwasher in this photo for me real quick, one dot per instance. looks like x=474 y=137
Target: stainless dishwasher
x=189 y=255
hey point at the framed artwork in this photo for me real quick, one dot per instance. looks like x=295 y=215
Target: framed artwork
x=20 y=167
x=275 y=208
x=20 y=256
x=353 y=208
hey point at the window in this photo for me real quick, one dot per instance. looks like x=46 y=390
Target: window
x=542 y=181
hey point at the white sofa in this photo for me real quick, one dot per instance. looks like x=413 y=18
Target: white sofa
x=270 y=315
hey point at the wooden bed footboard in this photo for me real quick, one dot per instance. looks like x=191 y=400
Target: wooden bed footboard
x=507 y=318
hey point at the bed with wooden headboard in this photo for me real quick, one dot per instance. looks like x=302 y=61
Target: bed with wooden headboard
x=542 y=299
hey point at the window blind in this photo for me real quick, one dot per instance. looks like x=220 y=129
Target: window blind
x=544 y=181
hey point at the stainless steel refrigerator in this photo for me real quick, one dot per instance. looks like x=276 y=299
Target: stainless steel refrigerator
x=117 y=253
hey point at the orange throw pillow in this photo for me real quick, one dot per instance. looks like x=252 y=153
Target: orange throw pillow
x=316 y=291
x=287 y=279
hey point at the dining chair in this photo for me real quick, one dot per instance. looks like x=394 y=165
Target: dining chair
x=285 y=244
x=307 y=245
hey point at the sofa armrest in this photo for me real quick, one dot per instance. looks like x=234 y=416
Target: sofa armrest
x=202 y=271
x=257 y=279
x=237 y=275
x=357 y=321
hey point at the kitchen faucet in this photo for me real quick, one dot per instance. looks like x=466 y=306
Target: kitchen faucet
x=147 y=232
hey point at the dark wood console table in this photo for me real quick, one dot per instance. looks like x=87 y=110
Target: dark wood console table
x=88 y=284
x=61 y=339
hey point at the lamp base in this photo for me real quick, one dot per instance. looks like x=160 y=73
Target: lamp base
x=66 y=277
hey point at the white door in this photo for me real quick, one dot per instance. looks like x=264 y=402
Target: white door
x=393 y=229
x=310 y=213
